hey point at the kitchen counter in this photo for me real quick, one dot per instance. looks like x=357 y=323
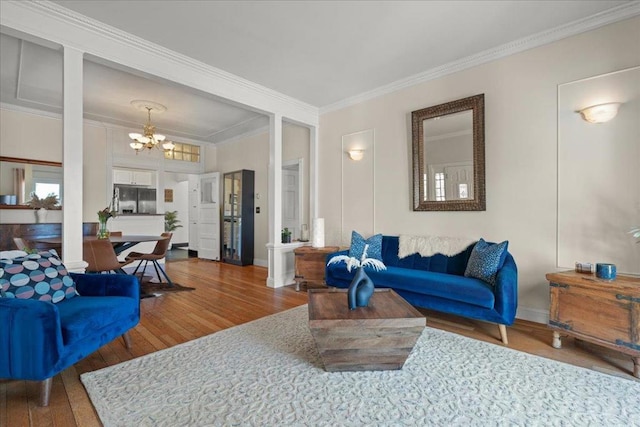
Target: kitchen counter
x=140 y=214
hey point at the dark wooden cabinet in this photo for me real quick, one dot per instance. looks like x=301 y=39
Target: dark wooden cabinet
x=30 y=232
x=237 y=217
x=603 y=312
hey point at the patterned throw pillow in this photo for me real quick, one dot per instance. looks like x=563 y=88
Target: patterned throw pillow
x=485 y=260
x=358 y=242
x=41 y=276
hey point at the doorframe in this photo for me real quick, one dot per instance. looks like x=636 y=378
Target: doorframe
x=300 y=163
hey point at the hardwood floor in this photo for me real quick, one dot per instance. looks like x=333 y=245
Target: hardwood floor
x=227 y=295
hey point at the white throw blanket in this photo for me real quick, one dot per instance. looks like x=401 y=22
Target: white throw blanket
x=431 y=245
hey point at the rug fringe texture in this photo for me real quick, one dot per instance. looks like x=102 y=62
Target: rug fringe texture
x=430 y=245
x=268 y=372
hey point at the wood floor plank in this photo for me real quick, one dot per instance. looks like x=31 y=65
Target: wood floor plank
x=82 y=409
x=227 y=295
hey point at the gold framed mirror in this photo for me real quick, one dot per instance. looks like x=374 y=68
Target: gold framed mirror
x=19 y=177
x=448 y=156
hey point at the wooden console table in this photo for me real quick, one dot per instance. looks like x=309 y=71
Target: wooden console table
x=603 y=312
x=310 y=264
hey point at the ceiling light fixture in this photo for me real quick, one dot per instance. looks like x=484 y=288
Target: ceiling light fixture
x=356 y=155
x=149 y=138
x=600 y=113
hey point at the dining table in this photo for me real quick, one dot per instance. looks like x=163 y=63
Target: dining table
x=120 y=242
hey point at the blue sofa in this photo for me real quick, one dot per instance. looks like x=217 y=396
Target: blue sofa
x=39 y=339
x=438 y=283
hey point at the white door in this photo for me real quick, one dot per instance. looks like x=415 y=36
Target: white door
x=209 y=217
x=459 y=182
x=194 y=211
x=291 y=201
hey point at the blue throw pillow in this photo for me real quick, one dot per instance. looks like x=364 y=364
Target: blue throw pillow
x=358 y=242
x=485 y=260
x=41 y=276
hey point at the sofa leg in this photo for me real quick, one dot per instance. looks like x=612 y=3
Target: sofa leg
x=503 y=334
x=45 y=391
x=127 y=340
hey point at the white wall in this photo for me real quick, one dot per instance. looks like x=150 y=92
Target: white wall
x=598 y=173
x=521 y=150
x=30 y=136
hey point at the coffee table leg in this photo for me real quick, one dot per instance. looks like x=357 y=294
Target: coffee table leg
x=636 y=367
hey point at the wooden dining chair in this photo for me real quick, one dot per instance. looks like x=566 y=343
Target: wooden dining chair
x=159 y=252
x=101 y=257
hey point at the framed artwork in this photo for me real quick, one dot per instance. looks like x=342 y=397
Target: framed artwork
x=168 y=195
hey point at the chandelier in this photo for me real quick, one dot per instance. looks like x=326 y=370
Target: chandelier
x=149 y=138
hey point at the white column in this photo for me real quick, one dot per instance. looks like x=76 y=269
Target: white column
x=276 y=264
x=72 y=124
x=313 y=173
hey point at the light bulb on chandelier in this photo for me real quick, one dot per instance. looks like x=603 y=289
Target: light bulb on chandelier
x=149 y=139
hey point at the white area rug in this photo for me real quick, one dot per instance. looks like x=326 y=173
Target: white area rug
x=268 y=373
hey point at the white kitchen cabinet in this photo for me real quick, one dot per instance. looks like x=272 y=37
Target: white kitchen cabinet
x=133 y=177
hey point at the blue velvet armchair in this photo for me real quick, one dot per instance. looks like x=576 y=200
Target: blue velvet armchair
x=39 y=339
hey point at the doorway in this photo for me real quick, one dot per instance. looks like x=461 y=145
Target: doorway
x=292 y=197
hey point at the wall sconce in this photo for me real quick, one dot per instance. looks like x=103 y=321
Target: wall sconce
x=600 y=113
x=356 y=154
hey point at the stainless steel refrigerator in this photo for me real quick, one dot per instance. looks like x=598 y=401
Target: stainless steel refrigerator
x=135 y=200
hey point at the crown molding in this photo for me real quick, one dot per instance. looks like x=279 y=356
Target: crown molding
x=610 y=16
x=14 y=13
x=30 y=110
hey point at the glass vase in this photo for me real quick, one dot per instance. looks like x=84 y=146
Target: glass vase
x=103 y=233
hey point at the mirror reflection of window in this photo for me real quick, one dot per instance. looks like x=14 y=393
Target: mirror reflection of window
x=44 y=189
x=439 y=187
x=463 y=192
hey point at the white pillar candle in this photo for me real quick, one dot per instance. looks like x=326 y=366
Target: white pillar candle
x=318 y=233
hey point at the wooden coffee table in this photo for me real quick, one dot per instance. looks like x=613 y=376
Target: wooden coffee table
x=374 y=338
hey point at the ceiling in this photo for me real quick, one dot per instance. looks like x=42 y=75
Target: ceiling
x=319 y=52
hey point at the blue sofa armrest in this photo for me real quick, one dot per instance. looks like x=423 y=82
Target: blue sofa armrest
x=506 y=290
x=30 y=338
x=96 y=285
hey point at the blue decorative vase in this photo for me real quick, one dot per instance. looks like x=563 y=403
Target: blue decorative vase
x=360 y=290
x=606 y=271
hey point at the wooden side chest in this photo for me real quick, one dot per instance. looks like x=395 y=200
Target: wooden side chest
x=310 y=264
x=603 y=312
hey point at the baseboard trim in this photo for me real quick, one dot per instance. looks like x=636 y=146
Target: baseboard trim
x=533 y=315
x=261 y=262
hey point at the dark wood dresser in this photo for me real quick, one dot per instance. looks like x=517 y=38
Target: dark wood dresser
x=29 y=232
x=603 y=312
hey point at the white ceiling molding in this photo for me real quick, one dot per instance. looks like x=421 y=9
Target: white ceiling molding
x=240 y=130
x=30 y=110
x=625 y=11
x=55 y=23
